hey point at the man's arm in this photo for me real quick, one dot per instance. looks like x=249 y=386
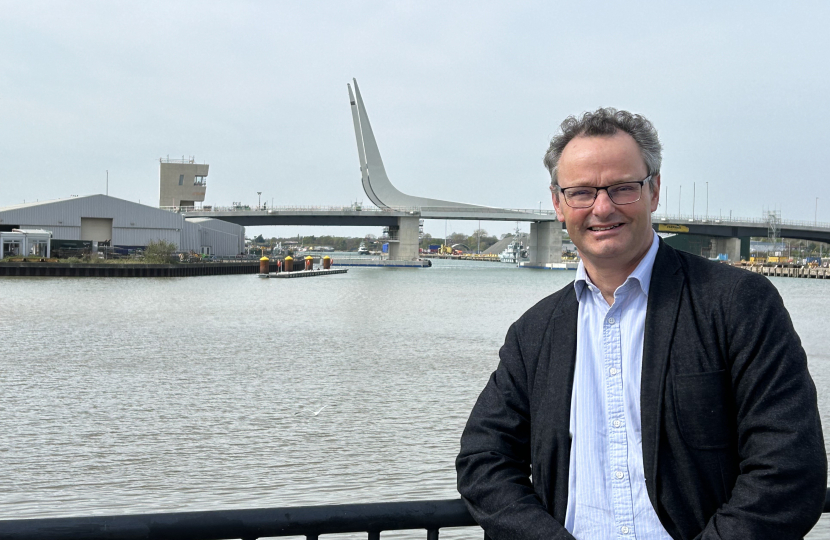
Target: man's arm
x=780 y=490
x=494 y=463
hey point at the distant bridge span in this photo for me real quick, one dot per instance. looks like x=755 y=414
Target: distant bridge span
x=352 y=216
x=741 y=227
x=387 y=217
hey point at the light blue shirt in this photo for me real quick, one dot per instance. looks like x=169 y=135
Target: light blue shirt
x=607 y=495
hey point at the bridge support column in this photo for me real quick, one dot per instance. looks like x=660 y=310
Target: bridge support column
x=730 y=246
x=745 y=247
x=545 y=243
x=406 y=234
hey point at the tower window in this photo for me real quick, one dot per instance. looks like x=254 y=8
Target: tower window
x=181 y=179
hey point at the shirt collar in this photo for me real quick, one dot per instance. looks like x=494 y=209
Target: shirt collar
x=642 y=273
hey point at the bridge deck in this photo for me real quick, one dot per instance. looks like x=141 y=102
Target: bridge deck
x=363 y=216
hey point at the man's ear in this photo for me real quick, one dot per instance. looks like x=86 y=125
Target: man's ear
x=554 y=193
x=655 y=192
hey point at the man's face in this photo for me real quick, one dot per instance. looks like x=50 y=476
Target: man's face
x=599 y=162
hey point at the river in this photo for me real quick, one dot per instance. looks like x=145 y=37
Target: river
x=179 y=394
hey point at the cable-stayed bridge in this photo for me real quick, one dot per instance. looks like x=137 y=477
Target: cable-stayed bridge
x=402 y=213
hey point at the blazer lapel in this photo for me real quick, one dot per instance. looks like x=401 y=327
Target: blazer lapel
x=563 y=355
x=661 y=316
x=557 y=404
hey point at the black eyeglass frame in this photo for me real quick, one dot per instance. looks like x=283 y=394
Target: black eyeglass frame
x=606 y=188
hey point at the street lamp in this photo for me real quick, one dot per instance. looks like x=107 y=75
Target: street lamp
x=694 y=195
x=259 y=200
x=815 y=215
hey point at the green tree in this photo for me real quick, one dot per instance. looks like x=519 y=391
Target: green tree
x=159 y=252
x=426 y=240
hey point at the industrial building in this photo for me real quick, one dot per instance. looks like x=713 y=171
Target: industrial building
x=100 y=218
x=182 y=182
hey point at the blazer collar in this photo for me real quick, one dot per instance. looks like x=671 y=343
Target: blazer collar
x=661 y=316
x=563 y=354
x=562 y=361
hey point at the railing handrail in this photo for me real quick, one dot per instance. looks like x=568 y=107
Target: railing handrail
x=249 y=524
x=309 y=521
x=699 y=219
x=352 y=208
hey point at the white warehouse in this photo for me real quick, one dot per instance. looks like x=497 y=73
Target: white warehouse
x=100 y=218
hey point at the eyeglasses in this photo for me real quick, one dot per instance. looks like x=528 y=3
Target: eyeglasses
x=622 y=193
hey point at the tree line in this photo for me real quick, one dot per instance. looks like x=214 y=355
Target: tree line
x=479 y=239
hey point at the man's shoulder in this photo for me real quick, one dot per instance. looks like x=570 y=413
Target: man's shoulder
x=717 y=282
x=704 y=272
x=540 y=314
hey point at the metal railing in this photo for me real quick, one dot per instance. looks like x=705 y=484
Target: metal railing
x=721 y=220
x=308 y=521
x=185 y=161
x=353 y=208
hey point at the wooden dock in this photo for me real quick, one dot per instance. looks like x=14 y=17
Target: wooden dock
x=306 y=273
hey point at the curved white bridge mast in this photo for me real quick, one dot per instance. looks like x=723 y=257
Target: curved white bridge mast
x=376 y=182
x=545 y=231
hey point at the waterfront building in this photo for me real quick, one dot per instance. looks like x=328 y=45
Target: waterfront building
x=182 y=182
x=26 y=242
x=101 y=218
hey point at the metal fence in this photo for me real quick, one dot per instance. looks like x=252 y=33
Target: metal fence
x=698 y=219
x=353 y=208
x=307 y=521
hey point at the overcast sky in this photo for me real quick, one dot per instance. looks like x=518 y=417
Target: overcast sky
x=463 y=98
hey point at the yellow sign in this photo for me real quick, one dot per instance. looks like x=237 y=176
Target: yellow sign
x=668 y=227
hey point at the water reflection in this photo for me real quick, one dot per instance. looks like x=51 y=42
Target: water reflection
x=147 y=395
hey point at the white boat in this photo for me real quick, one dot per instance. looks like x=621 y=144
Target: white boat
x=362 y=250
x=514 y=253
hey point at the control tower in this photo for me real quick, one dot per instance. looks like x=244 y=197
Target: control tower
x=181 y=182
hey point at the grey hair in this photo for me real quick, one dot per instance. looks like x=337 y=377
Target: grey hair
x=606 y=122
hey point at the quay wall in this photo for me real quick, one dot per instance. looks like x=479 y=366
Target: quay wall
x=46 y=269
x=785 y=271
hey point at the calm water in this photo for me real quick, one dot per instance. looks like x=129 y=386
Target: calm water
x=148 y=395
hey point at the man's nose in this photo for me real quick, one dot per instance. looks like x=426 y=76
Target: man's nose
x=603 y=205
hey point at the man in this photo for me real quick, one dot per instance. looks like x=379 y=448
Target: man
x=659 y=395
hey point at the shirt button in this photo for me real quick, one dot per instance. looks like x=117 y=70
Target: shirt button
x=619 y=474
x=624 y=529
x=612 y=371
x=611 y=320
x=617 y=423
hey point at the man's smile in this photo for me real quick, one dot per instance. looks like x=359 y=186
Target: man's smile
x=600 y=228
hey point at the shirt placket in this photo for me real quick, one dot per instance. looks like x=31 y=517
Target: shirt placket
x=621 y=493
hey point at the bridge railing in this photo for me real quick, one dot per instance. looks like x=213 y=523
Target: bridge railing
x=308 y=521
x=353 y=208
x=720 y=220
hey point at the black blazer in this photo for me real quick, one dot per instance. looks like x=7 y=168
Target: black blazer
x=732 y=440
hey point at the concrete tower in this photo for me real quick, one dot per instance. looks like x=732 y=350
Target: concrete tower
x=181 y=182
